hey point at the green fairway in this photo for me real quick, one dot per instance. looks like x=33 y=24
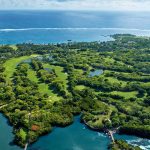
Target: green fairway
x=32 y=76
x=80 y=87
x=14 y=47
x=59 y=72
x=125 y=94
x=114 y=80
x=109 y=60
x=11 y=64
x=10 y=67
x=43 y=88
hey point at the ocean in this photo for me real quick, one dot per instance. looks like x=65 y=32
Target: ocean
x=59 y=26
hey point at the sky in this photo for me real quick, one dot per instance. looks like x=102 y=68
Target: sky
x=131 y=5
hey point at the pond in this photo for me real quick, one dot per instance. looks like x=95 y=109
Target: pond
x=73 y=137
x=48 y=69
x=44 y=57
x=40 y=58
x=27 y=61
x=96 y=72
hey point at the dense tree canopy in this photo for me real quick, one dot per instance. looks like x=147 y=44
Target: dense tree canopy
x=46 y=85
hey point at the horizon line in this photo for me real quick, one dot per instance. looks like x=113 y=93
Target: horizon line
x=84 y=10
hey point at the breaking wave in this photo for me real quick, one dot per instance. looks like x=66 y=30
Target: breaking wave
x=70 y=28
x=143 y=144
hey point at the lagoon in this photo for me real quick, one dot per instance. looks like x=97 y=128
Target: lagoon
x=74 y=137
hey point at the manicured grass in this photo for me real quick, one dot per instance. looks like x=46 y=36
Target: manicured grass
x=109 y=60
x=54 y=98
x=80 y=87
x=32 y=76
x=114 y=80
x=23 y=134
x=125 y=94
x=100 y=118
x=146 y=84
x=14 y=47
x=43 y=88
x=10 y=65
x=59 y=72
x=78 y=71
x=130 y=107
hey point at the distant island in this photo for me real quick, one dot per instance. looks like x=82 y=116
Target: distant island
x=107 y=83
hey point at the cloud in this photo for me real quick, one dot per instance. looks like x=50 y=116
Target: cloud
x=135 y=5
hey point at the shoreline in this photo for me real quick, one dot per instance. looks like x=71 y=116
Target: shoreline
x=116 y=131
x=88 y=127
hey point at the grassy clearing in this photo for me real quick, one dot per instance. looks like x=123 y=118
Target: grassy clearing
x=23 y=134
x=32 y=76
x=43 y=88
x=14 y=47
x=146 y=84
x=10 y=65
x=80 y=87
x=130 y=107
x=109 y=60
x=114 y=80
x=59 y=72
x=78 y=71
x=125 y=94
x=54 y=98
x=100 y=118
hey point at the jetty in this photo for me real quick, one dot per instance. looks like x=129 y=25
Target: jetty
x=26 y=146
x=110 y=133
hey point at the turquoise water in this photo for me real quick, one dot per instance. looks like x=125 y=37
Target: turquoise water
x=6 y=135
x=96 y=72
x=73 y=137
x=60 y=26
